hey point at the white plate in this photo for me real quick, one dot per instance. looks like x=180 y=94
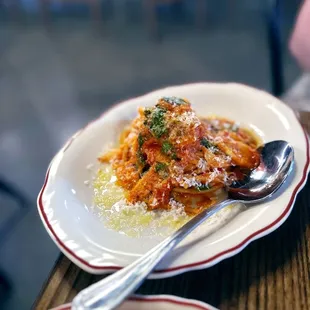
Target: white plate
x=64 y=201
x=158 y=302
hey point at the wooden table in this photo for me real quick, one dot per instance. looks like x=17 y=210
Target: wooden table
x=271 y=273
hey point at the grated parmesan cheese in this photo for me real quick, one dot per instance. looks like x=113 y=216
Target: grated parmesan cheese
x=175 y=204
x=222 y=159
x=188 y=182
x=213 y=175
x=189 y=118
x=202 y=165
x=177 y=208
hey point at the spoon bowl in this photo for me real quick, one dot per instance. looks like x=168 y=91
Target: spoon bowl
x=276 y=162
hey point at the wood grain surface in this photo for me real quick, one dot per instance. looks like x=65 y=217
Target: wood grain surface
x=271 y=273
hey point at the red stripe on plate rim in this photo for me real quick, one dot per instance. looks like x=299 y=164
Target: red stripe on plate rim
x=180 y=268
x=197 y=304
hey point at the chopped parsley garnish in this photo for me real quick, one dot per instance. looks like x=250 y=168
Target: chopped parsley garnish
x=175 y=157
x=147 y=112
x=140 y=157
x=141 y=140
x=174 y=100
x=166 y=147
x=203 y=187
x=209 y=145
x=206 y=143
x=156 y=122
x=160 y=167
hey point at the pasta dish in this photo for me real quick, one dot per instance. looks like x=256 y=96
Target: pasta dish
x=169 y=157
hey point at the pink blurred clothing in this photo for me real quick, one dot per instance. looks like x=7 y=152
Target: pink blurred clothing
x=300 y=40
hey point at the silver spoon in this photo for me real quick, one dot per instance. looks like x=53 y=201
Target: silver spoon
x=277 y=159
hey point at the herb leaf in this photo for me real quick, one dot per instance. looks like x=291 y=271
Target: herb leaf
x=160 y=167
x=174 y=100
x=147 y=112
x=175 y=156
x=209 y=145
x=141 y=140
x=206 y=143
x=203 y=187
x=140 y=157
x=166 y=147
x=157 y=123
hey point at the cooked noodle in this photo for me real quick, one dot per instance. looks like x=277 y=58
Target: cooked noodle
x=169 y=156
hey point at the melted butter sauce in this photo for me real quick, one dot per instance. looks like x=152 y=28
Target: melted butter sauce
x=131 y=220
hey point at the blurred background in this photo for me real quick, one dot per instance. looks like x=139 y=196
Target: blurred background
x=62 y=63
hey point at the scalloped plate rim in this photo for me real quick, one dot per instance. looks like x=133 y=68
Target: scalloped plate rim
x=200 y=264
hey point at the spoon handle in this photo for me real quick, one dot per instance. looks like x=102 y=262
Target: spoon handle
x=111 y=291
